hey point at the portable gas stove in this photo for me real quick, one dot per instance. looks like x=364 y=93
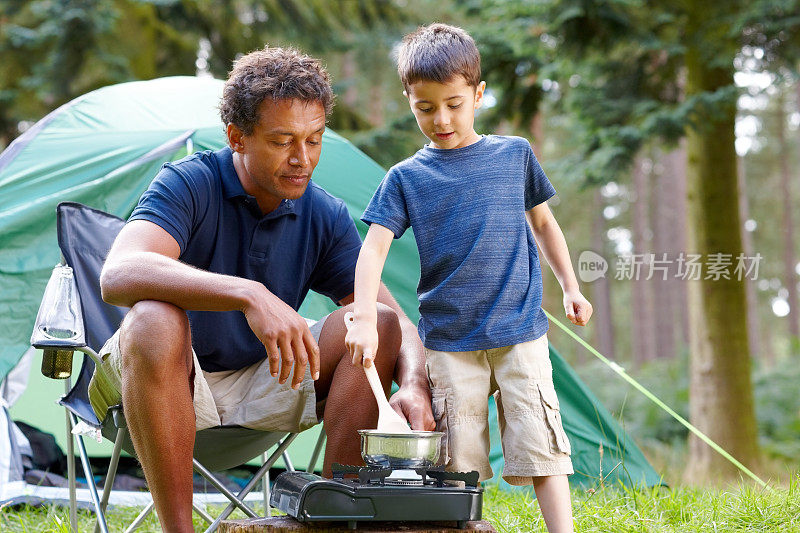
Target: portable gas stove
x=379 y=494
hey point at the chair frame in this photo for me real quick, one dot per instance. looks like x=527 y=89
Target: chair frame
x=74 y=223
x=100 y=502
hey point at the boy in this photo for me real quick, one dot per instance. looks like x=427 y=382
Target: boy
x=467 y=197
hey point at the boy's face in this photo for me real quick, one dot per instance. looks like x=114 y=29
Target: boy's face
x=445 y=112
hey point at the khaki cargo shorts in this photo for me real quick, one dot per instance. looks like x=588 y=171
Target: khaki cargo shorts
x=521 y=379
x=248 y=397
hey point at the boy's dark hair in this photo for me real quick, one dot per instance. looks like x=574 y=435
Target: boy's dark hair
x=276 y=73
x=438 y=52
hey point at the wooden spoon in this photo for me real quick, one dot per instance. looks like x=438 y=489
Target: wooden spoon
x=388 y=419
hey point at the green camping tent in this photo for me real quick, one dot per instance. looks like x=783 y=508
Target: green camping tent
x=103 y=148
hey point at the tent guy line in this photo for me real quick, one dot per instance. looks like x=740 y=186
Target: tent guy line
x=652 y=397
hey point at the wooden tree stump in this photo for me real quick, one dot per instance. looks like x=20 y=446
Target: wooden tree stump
x=287 y=524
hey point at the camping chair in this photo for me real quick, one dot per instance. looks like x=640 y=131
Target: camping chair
x=85 y=236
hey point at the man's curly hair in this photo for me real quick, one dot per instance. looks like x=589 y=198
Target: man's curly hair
x=276 y=73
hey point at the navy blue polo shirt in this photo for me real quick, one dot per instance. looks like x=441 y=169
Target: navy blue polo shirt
x=306 y=244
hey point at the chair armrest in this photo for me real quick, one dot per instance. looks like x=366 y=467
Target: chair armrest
x=58 y=344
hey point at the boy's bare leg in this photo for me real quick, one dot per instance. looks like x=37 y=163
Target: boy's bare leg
x=157 y=399
x=349 y=403
x=554 y=501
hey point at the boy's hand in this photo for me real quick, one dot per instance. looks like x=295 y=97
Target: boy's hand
x=362 y=342
x=578 y=308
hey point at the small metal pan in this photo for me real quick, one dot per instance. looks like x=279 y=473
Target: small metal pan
x=397 y=450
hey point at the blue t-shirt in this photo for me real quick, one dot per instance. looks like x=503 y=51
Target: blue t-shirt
x=308 y=243
x=481 y=283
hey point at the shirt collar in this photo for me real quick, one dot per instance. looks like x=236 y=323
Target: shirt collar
x=286 y=207
x=232 y=188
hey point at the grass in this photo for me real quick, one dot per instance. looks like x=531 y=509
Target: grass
x=682 y=509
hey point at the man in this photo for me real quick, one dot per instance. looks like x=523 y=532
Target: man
x=214 y=261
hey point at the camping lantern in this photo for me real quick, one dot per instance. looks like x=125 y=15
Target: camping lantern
x=59 y=328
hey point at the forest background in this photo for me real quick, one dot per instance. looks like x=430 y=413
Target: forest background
x=670 y=130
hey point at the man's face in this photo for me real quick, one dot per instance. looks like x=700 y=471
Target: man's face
x=445 y=112
x=276 y=161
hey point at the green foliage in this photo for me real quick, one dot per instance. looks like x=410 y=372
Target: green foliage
x=619 y=64
x=512 y=57
x=644 y=420
x=236 y=27
x=391 y=143
x=774 y=388
x=54 y=51
x=345 y=119
x=772 y=26
x=778 y=409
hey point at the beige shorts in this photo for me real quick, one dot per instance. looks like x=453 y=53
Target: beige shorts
x=248 y=397
x=521 y=379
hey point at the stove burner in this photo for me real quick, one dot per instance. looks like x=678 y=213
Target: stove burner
x=470 y=479
x=380 y=475
x=366 y=474
x=405 y=482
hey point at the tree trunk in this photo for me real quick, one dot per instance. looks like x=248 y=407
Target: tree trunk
x=753 y=325
x=789 y=261
x=376 y=99
x=537 y=132
x=642 y=322
x=601 y=289
x=675 y=166
x=350 y=96
x=720 y=395
x=667 y=232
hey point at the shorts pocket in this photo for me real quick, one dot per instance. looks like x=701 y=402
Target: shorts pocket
x=439 y=408
x=102 y=394
x=558 y=438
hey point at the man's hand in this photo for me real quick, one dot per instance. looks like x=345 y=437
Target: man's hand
x=362 y=342
x=285 y=335
x=414 y=404
x=578 y=308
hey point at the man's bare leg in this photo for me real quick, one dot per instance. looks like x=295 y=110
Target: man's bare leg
x=349 y=404
x=155 y=343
